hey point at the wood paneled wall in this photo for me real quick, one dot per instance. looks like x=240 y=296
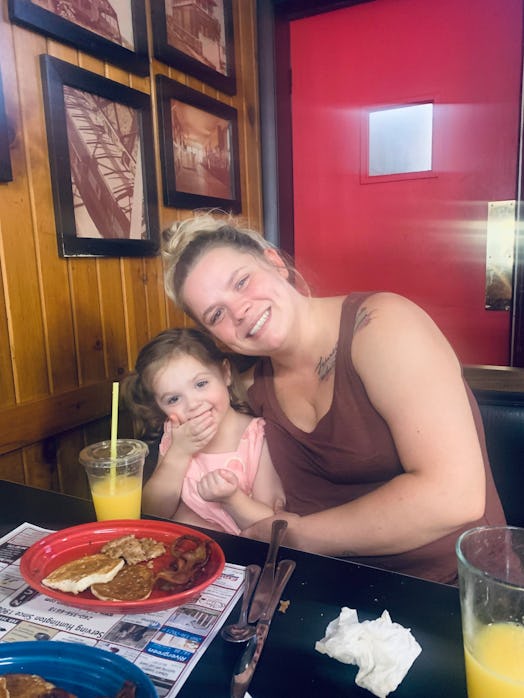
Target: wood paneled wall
x=69 y=327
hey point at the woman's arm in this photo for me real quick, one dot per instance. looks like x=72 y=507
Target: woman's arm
x=267 y=487
x=414 y=380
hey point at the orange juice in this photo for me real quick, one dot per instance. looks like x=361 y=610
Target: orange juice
x=123 y=502
x=495 y=668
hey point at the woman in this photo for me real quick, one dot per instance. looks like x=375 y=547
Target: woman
x=376 y=438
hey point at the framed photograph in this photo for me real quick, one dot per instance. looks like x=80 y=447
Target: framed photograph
x=101 y=154
x=112 y=30
x=6 y=174
x=198 y=148
x=197 y=38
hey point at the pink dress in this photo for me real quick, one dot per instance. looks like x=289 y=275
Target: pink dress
x=243 y=462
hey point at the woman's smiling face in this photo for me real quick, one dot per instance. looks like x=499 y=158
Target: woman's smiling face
x=240 y=298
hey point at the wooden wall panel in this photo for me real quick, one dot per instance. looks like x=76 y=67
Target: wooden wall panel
x=12 y=467
x=136 y=305
x=20 y=269
x=71 y=476
x=56 y=305
x=113 y=325
x=87 y=320
x=39 y=467
x=69 y=327
x=7 y=386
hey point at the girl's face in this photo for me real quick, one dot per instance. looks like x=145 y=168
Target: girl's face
x=241 y=299
x=187 y=388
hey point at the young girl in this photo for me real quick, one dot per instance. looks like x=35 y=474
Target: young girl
x=214 y=468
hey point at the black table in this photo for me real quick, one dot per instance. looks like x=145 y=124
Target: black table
x=319 y=587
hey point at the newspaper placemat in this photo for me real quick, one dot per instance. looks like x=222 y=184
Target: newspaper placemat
x=165 y=644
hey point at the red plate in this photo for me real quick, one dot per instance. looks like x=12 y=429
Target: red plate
x=71 y=543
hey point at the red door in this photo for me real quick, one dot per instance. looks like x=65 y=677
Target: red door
x=424 y=237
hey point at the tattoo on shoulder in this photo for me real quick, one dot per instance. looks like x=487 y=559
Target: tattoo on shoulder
x=363 y=318
x=327 y=364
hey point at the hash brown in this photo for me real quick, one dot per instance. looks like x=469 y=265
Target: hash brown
x=133 y=549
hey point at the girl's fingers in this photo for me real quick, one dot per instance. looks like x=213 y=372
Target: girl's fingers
x=205 y=435
x=226 y=475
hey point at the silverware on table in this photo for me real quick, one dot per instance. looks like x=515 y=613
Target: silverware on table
x=249 y=659
x=265 y=582
x=241 y=630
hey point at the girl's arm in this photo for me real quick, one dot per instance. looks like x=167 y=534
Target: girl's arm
x=414 y=380
x=161 y=493
x=185 y=515
x=268 y=495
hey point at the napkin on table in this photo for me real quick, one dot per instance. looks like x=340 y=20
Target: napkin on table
x=384 y=651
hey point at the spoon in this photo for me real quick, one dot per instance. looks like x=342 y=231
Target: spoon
x=241 y=630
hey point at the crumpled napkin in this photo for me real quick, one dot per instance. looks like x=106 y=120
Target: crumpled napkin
x=384 y=651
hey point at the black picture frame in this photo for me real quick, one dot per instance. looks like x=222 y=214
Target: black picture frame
x=6 y=173
x=198 y=148
x=101 y=154
x=136 y=60
x=174 y=45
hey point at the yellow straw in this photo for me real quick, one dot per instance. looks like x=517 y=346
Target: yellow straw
x=114 y=431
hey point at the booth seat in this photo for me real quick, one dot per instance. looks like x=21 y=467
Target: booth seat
x=503 y=418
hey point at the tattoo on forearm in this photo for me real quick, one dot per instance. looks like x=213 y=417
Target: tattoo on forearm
x=326 y=365
x=363 y=318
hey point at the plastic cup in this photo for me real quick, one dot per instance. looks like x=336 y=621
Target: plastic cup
x=115 y=484
x=491 y=578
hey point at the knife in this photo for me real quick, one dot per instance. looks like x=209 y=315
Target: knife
x=249 y=659
x=265 y=582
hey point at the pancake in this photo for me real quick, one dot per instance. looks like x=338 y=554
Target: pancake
x=26 y=685
x=77 y=575
x=132 y=583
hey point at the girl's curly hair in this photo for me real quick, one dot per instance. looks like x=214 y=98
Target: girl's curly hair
x=137 y=392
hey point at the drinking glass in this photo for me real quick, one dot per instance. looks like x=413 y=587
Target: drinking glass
x=491 y=578
x=115 y=482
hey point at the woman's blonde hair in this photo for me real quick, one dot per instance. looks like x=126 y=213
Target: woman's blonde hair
x=186 y=241
x=137 y=388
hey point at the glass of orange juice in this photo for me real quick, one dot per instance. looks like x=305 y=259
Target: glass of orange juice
x=491 y=578
x=115 y=480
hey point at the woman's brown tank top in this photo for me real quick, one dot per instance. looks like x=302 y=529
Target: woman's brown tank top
x=351 y=452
